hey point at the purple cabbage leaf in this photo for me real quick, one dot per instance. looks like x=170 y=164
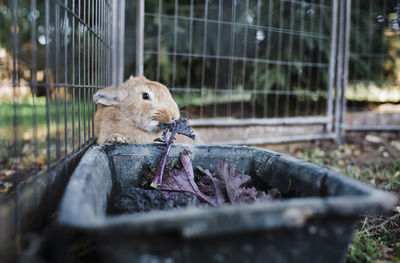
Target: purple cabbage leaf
x=211 y=185
x=182 y=180
x=180 y=126
x=235 y=184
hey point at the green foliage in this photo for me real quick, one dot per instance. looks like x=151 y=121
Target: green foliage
x=20 y=12
x=372 y=241
x=365 y=248
x=373 y=41
x=383 y=176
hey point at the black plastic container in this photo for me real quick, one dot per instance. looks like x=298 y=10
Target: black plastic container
x=315 y=225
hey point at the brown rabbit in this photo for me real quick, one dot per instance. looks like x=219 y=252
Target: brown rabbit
x=132 y=113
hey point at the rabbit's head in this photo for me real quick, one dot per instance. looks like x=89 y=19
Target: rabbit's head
x=141 y=102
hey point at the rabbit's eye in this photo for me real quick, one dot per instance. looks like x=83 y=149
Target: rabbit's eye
x=146 y=96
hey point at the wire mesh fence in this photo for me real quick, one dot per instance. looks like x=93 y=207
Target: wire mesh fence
x=265 y=62
x=373 y=92
x=240 y=59
x=53 y=56
x=60 y=53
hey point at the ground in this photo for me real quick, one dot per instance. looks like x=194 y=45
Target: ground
x=373 y=158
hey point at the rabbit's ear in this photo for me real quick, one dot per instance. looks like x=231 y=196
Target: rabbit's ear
x=133 y=81
x=138 y=78
x=110 y=96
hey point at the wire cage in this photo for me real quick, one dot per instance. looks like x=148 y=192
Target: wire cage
x=53 y=56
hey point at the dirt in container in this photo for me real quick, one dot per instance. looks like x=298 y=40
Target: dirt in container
x=183 y=186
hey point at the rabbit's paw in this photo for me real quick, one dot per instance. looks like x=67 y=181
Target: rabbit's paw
x=118 y=138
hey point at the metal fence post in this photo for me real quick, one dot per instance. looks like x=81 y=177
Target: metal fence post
x=332 y=65
x=339 y=70
x=345 y=68
x=118 y=32
x=342 y=67
x=139 y=37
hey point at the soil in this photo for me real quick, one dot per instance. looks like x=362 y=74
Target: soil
x=136 y=199
x=363 y=149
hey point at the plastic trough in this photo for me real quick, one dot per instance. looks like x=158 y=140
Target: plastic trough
x=314 y=225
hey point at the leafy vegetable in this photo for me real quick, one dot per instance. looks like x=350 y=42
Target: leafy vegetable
x=182 y=180
x=227 y=185
x=231 y=186
x=213 y=186
x=179 y=126
x=235 y=183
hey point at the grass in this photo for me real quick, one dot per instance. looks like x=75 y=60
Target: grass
x=365 y=248
x=17 y=144
x=26 y=108
x=376 y=238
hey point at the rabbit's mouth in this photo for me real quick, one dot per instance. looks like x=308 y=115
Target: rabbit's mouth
x=153 y=126
x=159 y=117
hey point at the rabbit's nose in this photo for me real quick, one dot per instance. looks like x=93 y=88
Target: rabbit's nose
x=175 y=116
x=162 y=116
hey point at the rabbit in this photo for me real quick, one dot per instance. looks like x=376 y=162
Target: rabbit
x=132 y=113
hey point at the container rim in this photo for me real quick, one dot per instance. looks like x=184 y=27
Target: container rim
x=200 y=221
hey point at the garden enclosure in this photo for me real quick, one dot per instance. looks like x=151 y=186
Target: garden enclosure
x=276 y=70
